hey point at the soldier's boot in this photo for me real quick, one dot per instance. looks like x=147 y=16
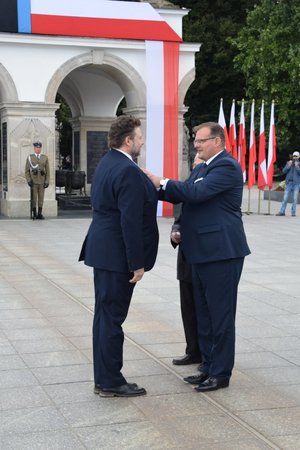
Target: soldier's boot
x=34 y=216
x=40 y=215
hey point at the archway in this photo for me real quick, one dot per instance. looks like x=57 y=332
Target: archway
x=94 y=85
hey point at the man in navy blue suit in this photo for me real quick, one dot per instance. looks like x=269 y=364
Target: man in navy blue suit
x=121 y=244
x=214 y=243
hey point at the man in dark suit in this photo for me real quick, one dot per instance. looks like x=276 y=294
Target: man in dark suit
x=214 y=242
x=121 y=244
x=187 y=304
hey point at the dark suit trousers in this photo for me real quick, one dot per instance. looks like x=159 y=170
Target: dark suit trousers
x=189 y=319
x=113 y=293
x=215 y=292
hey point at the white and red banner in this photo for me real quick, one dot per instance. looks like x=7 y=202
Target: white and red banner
x=252 y=150
x=162 y=112
x=262 y=178
x=232 y=132
x=222 y=122
x=242 y=142
x=94 y=18
x=271 y=147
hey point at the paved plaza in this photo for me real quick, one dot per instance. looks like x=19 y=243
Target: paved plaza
x=46 y=374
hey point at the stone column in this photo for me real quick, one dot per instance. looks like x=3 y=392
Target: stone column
x=26 y=122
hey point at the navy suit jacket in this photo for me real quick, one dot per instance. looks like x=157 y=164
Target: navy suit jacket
x=123 y=235
x=211 y=220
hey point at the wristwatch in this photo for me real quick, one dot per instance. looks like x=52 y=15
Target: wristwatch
x=162 y=182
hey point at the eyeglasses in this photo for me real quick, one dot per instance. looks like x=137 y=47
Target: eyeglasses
x=201 y=141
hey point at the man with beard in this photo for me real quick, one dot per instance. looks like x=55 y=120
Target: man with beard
x=121 y=244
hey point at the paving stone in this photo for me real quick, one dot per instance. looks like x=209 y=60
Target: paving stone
x=64 y=374
x=54 y=440
x=103 y=411
x=54 y=359
x=273 y=422
x=133 y=436
x=14 y=378
x=10 y=362
x=42 y=345
x=31 y=420
x=23 y=397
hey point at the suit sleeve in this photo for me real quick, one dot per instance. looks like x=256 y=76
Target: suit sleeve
x=130 y=201
x=222 y=177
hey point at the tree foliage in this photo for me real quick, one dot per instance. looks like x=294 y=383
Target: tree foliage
x=269 y=59
x=212 y=22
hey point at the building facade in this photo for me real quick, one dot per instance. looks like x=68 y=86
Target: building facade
x=93 y=74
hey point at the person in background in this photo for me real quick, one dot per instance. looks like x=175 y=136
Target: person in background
x=187 y=305
x=213 y=241
x=292 y=184
x=121 y=244
x=37 y=174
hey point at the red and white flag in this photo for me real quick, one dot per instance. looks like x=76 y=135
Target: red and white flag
x=252 y=150
x=271 y=148
x=96 y=18
x=232 y=132
x=222 y=122
x=262 y=178
x=242 y=142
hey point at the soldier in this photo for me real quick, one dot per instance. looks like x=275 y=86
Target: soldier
x=37 y=174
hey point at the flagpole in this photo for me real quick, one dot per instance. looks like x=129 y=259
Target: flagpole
x=258 y=207
x=249 y=195
x=269 y=203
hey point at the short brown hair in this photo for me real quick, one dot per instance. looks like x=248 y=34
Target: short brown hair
x=122 y=127
x=215 y=129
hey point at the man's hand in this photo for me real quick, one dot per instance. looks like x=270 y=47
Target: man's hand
x=30 y=183
x=137 y=275
x=154 y=178
x=46 y=185
x=176 y=237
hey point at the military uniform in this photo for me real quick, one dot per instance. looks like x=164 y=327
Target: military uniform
x=37 y=174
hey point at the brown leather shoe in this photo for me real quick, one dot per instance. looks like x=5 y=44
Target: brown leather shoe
x=126 y=390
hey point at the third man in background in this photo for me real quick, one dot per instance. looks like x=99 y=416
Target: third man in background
x=292 y=184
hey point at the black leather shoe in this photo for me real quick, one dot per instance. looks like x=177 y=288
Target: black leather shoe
x=126 y=390
x=185 y=360
x=196 y=379
x=97 y=388
x=212 y=384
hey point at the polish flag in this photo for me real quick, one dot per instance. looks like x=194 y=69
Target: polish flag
x=242 y=142
x=271 y=148
x=94 y=18
x=262 y=178
x=252 y=151
x=232 y=132
x=222 y=122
